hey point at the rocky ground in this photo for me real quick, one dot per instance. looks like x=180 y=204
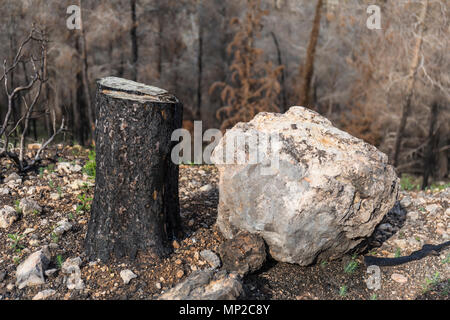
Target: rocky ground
x=51 y=208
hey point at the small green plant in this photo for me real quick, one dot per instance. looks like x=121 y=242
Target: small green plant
x=51 y=167
x=59 y=261
x=54 y=237
x=90 y=166
x=438 y=187
x=408 y=183
x=398 y=253
x=59 y=190
x=85 y=203
x=51 y=183
x=430 y=283
x=374 y=297
x=41 y=172
x=16 y=244
x=323 y=264
x=17 y=206
x=446 y=259
x=352 y=265
x=343 y=291
x=70 y=216
x=16 y=260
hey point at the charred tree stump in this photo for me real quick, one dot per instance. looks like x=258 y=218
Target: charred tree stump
x=135 y=206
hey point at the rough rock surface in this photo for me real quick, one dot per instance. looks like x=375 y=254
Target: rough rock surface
x=212 y=258
x=43 y=295
x=31 y=271
x=8 y=216
x=327 y=195
x=245 y=253
x=29 y=206
x=71 y=268
x=127 y=275
x=206 y=285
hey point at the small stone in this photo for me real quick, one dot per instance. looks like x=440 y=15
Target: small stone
x=178 y=262
x=71 y=267
x=34 y=146
x=385 y=227
x=401 y=243
x=4 y=191
x=206 y=285
x=180 y=274
x=175 y=244
x=413 y=215
x=29 y=206
x=8 y=216
x=54 y=196
x=50 y=272
x=406 y=201
x=62 y=227
x=44 y=294
x=31 y=271
x=13 y=177
x=206 y=188
x=245 y=253
x=127 y=276
x=34 y=243
x=10 y=287
x=53 y=246
x=28 y=231
x=434 y=209
x=399 y=278
x=191 y=222
x=212 y=258
x=158 y=285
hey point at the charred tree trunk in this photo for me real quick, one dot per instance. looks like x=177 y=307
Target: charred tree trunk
x=135 y=207
x=85 y=77
x=198 y=110
x=134 y=42
x=308 y=69
x=406 y=106
x=429 y=161
x=283 y=73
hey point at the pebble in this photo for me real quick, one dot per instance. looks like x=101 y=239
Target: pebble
x=127 y=275
x=399 y=278
x=180 y=274
x=44 y=294
x=212 y=258
x=206 y=188
x=50 y=272
x=158 y=285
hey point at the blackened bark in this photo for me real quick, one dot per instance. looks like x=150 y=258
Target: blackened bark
x=429 y=161
x=310 y=55
x=134 y=43
x=135 y=207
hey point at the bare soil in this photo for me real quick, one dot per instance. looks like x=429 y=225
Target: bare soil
x=425 y=279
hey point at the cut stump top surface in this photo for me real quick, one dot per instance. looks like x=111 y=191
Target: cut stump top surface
x=131 y=90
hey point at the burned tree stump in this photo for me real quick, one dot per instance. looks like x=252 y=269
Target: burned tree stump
x=135 y=206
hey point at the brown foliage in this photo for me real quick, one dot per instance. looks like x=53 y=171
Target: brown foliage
x=254 y=84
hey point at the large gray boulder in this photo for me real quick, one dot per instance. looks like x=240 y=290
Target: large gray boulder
x=324 y=193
